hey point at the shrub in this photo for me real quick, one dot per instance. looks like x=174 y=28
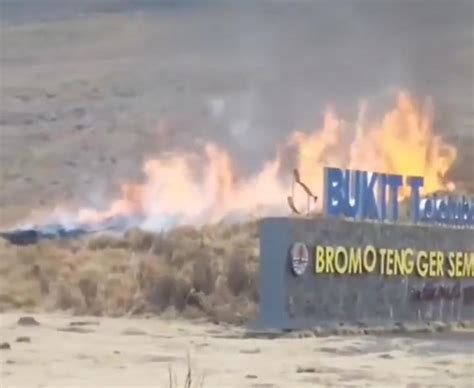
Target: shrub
x=237 y=274
x=163 y=246
x=104 y=241
x=140 y=240
x=185 y=232
x=211 y=271
x=253 y=292
x=163 y=291
x=27 y=254
x=203 y=277
x=182 y=290
x=68 y=298
x=118 y=294
x=88 y=287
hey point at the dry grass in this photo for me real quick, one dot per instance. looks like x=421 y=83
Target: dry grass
x=190 y=380
x=206 y=272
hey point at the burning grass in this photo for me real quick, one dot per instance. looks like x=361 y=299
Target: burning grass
x=192 y=272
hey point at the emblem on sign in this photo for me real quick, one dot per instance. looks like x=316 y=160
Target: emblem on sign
x=299 y=258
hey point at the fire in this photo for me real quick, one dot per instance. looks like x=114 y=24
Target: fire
x=173 y=192
x=183 y=188
x=403 y=142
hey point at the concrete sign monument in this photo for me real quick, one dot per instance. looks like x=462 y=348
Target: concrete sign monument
x=327 y=270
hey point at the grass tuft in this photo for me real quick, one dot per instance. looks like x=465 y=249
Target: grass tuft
x=195 y=272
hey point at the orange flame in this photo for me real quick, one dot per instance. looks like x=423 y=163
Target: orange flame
x=403 y=142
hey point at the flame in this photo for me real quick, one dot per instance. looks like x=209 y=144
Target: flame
x=183 y=188
x=173 y=191
x=403 y=142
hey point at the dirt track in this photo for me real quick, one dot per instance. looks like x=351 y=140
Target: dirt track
x=65 y=351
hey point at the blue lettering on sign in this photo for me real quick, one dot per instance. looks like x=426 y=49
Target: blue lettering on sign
x=394 y=183
x=333 y=198
x=369 y=204
x=415 y=183
x=427 y=210
x=351 y=184
x=374 y=196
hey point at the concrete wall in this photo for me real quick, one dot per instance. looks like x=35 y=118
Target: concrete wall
x=290 y=301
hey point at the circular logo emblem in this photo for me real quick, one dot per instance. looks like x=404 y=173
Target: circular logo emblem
x=299 y=258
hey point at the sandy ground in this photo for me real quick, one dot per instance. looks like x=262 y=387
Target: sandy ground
x=65 y=351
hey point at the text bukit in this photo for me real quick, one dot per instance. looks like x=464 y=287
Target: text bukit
x=375 y=196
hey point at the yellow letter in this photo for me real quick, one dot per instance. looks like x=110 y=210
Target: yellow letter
x=422 y=268
x=341 y=251
x=458 y=270
x=355 y=261
x=451 y=264
x=329 y=260
x=399 y=267
x=370 y=267
x=408 y=259
x=468 y=263
x=432 y=264
x=382 y=253
x=389 y=262
x=440 y=264
x=319 y=265
x=472 y=264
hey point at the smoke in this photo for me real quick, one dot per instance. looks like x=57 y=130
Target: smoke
x=290 y=60
x=242 y=75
